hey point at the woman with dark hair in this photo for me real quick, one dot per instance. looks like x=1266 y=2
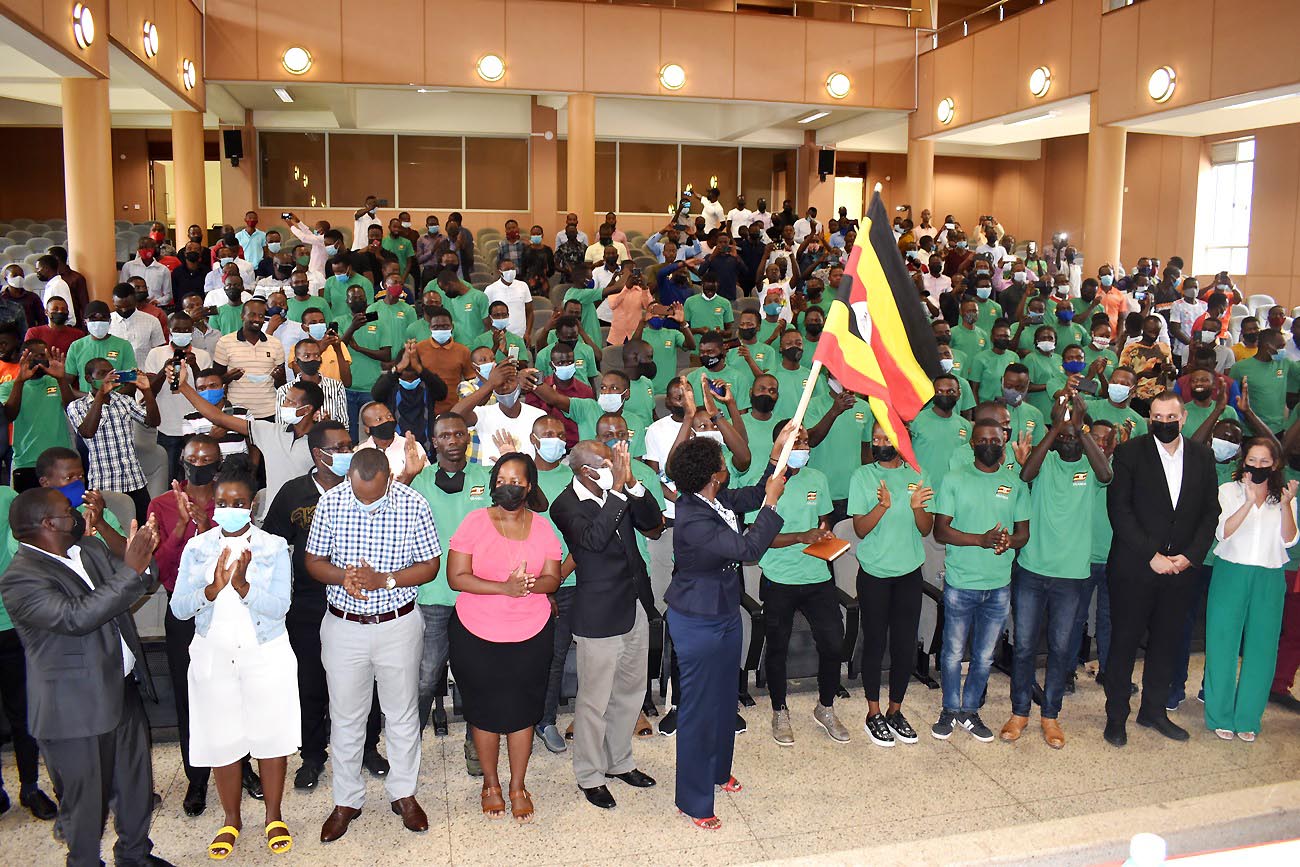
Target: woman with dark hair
x=235 y=582
x=1257 y=523
x=709 y=544
x=504 y=560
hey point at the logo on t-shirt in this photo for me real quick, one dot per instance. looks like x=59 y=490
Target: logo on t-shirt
x=477 y=491
x=812 y=496
x=371 y=329
x=913 y=486
x=961 y=433
x=1029 y=424
x=51 y=389
x=1080 y=478
x=668 y=344
x=469 y=305
x=859 y=416
x=1004 y=491
x=112 y=353
x=1279 y=373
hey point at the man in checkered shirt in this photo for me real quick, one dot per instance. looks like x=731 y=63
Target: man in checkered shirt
x=372 y=543
x=105 y=419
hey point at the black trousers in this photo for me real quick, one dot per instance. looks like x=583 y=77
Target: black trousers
x=90 y=773
x=140 y=496
x=13 y=695
x=1144 y=603
x=178 y=636
x=817 y=603
x=890 y=609
x=174 y=446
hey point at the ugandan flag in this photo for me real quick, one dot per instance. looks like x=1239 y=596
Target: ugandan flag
x=877 y=340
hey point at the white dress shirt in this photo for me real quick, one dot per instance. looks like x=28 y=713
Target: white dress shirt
x=73 y=562
x=141 y=330
x=156 y=275
x=316 y=245
x=1172 y=464
x=638 y=490
x=803 y=227
x=57 y=287
x=516 y=296
x=713 y=214
x=762 y=217
x=215 y=277
x=561 y=238
x=1258 y=540
x=360 y=227
x=659 y=438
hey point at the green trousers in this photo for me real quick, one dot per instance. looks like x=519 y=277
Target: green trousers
x=1243 y=620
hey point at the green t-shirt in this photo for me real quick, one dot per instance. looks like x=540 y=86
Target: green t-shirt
x=764 y=354
x=1044 y=370
x=1026 y=419
x=641 y=398
x=394 y=319
x=970 y=341
x=1101 y=530
x=1070 y=333
x=1091 y=354
x=1027 y=341
x=665 y=342
x=335 y=292
x=420 y=330
x=960 y=363
x=738 y=376
x=1269 y=382
x=586 y=411
x=298 y=306
x=839 y=455
x=553 y=483
x=449 y=510
x=1061 y=512
x=986 y=371
x=1196 y=416
x=990 y=312
x=229 y=318
x=485 y=341
x=1119 y=416
x=935 y=438
x=711 y=313
x=112 y=349
x=584 y=357
x=589 y=298
x=804 y=502
x=468 y=311
x=41 y=424
x=790 y=386
x=759 y=435
x=648 y=477
x=977 y=501
x=894 y=547
x=400 y=247
x=371 y=335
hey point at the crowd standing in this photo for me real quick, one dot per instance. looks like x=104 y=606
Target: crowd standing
x=361 y=479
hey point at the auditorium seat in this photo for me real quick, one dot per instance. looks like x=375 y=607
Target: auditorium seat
x=19 y=236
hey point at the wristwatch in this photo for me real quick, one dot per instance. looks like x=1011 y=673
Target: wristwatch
x=390 y=583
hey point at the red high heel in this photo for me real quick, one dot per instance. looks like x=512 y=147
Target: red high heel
x=709 y=823
x=732 y=785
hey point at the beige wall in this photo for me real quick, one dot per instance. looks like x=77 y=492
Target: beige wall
x=180 y=36
x=51 y=22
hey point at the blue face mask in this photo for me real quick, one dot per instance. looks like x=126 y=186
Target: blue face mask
x=317 y=330
x=441 y=335
x=798 y=459
x=485 y=369
x=1073 y=366
x=231 y=519
x=656 y=322
x=340 y=463
x=410 y=385
x=1065 y=314
x=565 y=372
x=371 y=508
x=213 y=396
x=961 y=244
x=772 y=309
x=550 y=448
x=1118 y=393
x=983 y=292
x=1107 y=279
x=331 y=249
x=273 y=246
x=500 y=324
x=536 y=239
x=226 y=260
x=433 y=230
x=75 y=492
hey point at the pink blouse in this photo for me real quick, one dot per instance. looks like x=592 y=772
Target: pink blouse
x=504 y=619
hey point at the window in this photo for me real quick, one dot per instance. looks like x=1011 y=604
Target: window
x=701 y=162
x=606 y=158
x=1224 y=205
x=428 y=171
x=496 y=174
x=647 y=177
x=293 y=169
x=360 y=166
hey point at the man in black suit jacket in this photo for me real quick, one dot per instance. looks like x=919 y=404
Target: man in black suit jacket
x=599 y=515
x=70 y=600
x=1163 y=505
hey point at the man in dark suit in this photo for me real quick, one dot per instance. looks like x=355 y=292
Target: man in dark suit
x=70 y=600
x=1163 y=505
x=599 y=515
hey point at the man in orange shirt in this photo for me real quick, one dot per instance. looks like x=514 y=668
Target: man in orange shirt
x=444 y=356
x=1110 y=297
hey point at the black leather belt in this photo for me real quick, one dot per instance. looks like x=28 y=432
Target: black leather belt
x=369 y=619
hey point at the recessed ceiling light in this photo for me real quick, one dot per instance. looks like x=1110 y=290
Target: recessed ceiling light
x=1040 y=81
x=838 y=85
x=490 y=67
x=947 y=110
x=283 y=94
x=150 y=36
x=816 y=115
x=1160 y=86
x=433 y=90
x=1254 y=102
x=672 y=76
x=296 y=60
x=83 y=25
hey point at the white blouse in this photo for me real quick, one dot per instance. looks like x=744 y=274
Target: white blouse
x=1258 y=540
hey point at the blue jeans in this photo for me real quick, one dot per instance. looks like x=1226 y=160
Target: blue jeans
x=1101 y=629
x=1178 y=683
x=433 y=658
x=1060 y=597
x=977 y=615
x=356 y=400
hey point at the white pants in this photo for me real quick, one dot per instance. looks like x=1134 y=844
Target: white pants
x=243 y=701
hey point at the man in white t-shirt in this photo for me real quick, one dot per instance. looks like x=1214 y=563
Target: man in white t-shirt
x=172 y=405
x=805 y=226
x=739 y=216
x=661 y=434
x=761 y=215
x=377 y=420
x=362 y=218
x=991 y=246
x=515 y=295
x=508 y=415
x=1183 y=315
x=712 y=211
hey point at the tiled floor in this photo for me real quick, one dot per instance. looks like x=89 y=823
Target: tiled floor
x=814 y=799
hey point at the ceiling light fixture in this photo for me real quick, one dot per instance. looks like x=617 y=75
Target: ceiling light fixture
x=150 y=36
x=672 y=76
x=1160 y=86
x=1034 y=119
x=816 y=115
x=838 y=85
x=1040 y=81
x=432 y=90
x=296 y=60
x=189 y=76
x=947 y=110
x=1265 y=100
x=283 y=94
x=490 y=67
x=83 y=25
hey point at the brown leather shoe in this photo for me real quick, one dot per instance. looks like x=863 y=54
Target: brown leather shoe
x=336 y=825
x=1014 y=726
x=1052 y=734
x=412 y=814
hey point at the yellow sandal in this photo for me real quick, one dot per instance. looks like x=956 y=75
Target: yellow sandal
x=282 y=838
x=219 y=850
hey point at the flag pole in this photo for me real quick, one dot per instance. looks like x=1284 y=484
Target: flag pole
x=804 y=399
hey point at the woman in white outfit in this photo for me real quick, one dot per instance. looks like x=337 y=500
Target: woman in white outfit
x=235 y=581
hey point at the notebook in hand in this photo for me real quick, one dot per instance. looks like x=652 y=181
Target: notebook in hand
x=827 y=549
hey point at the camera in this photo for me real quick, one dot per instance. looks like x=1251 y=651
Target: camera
x=1060 y=239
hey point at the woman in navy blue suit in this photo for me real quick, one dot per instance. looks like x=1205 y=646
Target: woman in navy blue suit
x=703 y=600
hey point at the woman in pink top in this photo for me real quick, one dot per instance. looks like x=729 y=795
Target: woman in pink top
x=504 y=560
x=628 y=308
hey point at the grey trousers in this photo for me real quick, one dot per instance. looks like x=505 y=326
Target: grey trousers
x=355 y=656
x=611 y=687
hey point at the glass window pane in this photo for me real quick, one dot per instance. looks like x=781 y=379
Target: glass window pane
x=762 y=175
x=647 y=177
x=1238 y=261
x=360 y=166
x=699 y=163
x=1246 y=150
x=1223 y=152
x=428 y=172
x=293 y=169
x=496 y=174
x=606 y=159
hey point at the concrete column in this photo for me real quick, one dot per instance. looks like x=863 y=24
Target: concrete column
x=88 y=183
x=544 y=169
x=920 y=173
x=1103 y=193
x=187 y=171
x=582 y=159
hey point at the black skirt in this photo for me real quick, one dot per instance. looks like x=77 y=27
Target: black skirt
x=502 y=684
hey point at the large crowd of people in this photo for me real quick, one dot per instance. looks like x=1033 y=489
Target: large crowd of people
x=359 y=478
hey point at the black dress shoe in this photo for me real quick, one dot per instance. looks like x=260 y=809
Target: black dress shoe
x=1165 y=726
x=668 y=725
x=648 y=708
x=599 y=796
x=38 y=803
x=1115 y=734
x=156 y=803
x=308 y=775
x=375 y=763
x=196 y=799
x=440 y=723
x=155 y=861
x=1285 y=700
x=252 y=782
x=4 y=801
x=634 y=777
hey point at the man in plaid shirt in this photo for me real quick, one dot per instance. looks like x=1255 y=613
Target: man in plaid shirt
x=104 y=419
x=372 y=543
x=512 y=247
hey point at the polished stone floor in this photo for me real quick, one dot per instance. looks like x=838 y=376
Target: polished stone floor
x=813 y=800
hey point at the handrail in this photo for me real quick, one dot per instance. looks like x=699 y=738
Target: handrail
x=735 y=5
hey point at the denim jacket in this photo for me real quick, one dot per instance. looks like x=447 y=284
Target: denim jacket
x=269 y=578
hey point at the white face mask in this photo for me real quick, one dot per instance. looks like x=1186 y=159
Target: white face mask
x=508 y=276
x=1100 y=343
x=15 y=282
x=715 y=435
x=1046 y=346
x=610 y=402
x=290 y=414
x=604 y=477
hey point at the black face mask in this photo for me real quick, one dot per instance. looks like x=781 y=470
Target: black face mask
x=301 y=290
x=945 y=402
x=1201 y=393
x=1002 y=343
x=884 y=454
x=1069 y=451
x=235 y=298
x=988 y=454
x=200 y=475
x=283 y=271
x=764 y=403
x=814 y=330
x=78 y=528
x=192 y=258
x=648 y=369
x=1258 y=475
x=1165 y=431
x=310 y=368
x=509 y=497
x=792 y=354
x=748 y=334
x=943 y=339
x=126 y=314
x=677 y=412
x=384 y=431
x=710 y=361
x=59 y=318
x=357 y=306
